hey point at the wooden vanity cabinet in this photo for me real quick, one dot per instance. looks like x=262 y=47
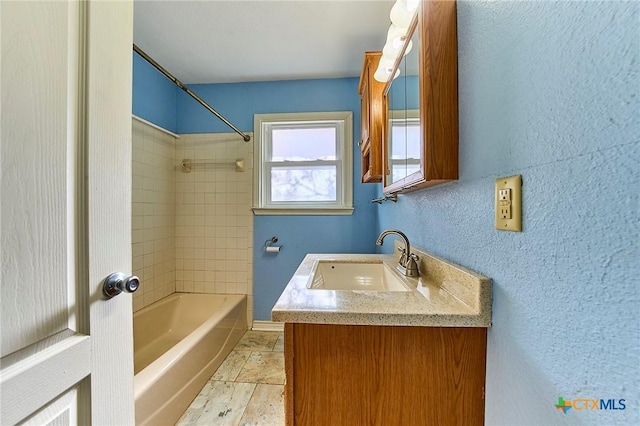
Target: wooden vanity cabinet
x=371 y=112
x=384 y=375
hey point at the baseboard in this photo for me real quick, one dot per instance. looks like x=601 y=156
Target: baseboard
x=259 y=325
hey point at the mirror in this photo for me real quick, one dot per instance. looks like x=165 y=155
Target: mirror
x=420 y=122
x=403 y=119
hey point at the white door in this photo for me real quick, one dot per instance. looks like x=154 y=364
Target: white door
x=65 y=212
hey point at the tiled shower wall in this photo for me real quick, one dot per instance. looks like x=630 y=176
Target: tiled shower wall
x=214 y=221
x=153 y=213
x=191 y=232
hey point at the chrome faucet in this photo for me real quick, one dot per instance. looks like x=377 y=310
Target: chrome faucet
x=407 y=264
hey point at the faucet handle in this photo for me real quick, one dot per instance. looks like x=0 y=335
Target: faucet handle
x=403 y=257
x=412 y=265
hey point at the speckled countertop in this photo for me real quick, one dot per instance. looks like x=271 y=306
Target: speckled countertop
x=445 y=295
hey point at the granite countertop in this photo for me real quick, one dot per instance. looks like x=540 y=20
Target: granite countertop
x=445 y=295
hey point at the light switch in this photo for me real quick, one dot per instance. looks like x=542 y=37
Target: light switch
x=508 y=195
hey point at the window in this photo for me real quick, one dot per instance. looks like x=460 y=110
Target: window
x=303 y=163
x=403 y=144
x=405 y=156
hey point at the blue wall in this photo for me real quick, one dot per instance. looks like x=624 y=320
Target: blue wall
x=299 y=235
x=154 y=96
x=239 y=101
x=548 y=90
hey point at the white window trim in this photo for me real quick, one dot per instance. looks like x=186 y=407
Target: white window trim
x=345 y=194
x=401 y=116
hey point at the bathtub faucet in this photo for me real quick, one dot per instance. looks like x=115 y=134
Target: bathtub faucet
x=407 y=264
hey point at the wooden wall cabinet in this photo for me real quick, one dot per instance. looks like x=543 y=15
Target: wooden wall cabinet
x=434 y=61
x=384 y=375
x=371 y=116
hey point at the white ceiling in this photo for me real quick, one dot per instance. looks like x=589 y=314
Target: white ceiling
x=234 y=40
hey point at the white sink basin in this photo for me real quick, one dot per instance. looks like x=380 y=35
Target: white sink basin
x=339 y=275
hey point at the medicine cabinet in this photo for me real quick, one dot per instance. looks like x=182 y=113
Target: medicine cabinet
x=420 y=123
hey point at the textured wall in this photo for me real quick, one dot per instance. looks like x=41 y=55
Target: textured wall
x=548 y=90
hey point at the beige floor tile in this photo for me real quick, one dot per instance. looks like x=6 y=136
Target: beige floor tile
x=257 y=341
x=257 y=358
x=263 y=367
x=266 y=407
x=190 y=417
x=279 y=347
x=194 y=411
x=226 y=404
x=231 y=367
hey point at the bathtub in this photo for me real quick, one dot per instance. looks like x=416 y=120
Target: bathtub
x=179 y=342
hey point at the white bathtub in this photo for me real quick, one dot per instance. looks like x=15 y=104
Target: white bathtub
x=179 y=342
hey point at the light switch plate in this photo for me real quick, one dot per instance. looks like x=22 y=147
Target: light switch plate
x=508 y=196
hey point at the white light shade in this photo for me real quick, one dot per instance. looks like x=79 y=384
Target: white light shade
x=396 y=32
x=389 y=51
x=387 y=63
x=382 y=76
x=385 y=66
x=397 y=42
x=400 y=14
x=395 y=39
x=412 y=5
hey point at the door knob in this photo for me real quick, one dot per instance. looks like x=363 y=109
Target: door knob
x=118 y=282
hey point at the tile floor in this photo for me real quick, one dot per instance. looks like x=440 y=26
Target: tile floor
x=248 y=387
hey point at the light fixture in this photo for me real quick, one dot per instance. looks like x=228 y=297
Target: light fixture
x=396 y=33
x=412 y=5
x=395 y=40
x=401 y=16
x=385 y=66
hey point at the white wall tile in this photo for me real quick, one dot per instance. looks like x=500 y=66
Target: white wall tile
x=213 y=215
x=153 y=214
x=192 y=232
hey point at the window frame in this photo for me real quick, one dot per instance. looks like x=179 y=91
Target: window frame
x=404 y=117
x=264 y=124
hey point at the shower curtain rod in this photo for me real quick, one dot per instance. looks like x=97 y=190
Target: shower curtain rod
x=178 y=83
